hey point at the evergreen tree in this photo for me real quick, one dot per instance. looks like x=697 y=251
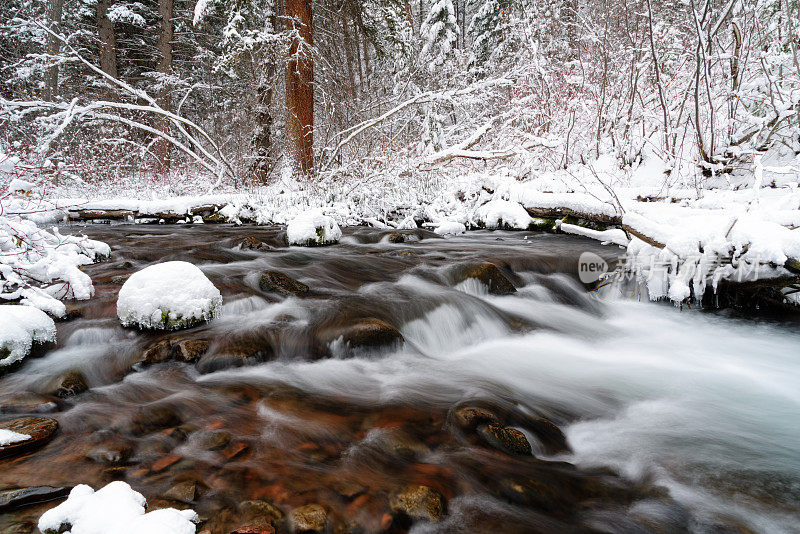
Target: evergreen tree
x=439 y=32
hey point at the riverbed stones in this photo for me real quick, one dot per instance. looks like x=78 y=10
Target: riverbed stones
x=259 y=511
x=309 y=518
x=158 y=352
x=278 y=282
x=491 y=276
x=152 y=418
x=418 y=503
x=551 y=437
x=40 y=429
x=11 y=499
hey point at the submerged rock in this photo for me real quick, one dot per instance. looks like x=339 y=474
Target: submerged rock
x=366 y=333
x=158 y=352
x=418 y=502
x=185 y=492
x=12 y=499
x=260 y=512
x=189 y=350
x=491 y=276
x=468 y=418
x=168 y=296
x=251 y=243
x=396 y=237
x=277 y=282
x=309 y=518
x=509 y=440
x=70 y=384
x=39 y=430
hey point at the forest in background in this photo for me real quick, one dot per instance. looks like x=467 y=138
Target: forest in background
x=353 y=91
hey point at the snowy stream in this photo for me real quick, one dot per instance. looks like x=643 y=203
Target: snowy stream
x=703 y=404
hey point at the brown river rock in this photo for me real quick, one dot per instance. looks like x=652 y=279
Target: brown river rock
x=40 y=430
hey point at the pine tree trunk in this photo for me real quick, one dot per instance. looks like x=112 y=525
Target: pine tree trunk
x=262 y=140
x=55 y=9
x=164 y=46
x=108 y=41
x=300 y=89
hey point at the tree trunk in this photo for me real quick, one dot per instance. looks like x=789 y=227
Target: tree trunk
x=164 y=46
x=108 y=41
x=55 y=9
x=300 y=88
x=262 y=140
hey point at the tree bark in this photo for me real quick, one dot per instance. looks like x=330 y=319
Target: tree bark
x=164 y=46
x=300 y=88
x=108 y=41
x=55 y=10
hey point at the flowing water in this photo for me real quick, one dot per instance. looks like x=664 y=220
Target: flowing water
x=676 y=420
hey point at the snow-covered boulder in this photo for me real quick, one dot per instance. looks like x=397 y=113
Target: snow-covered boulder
x=503 y=214
x=313 y=229
x=20 y=327
x=168 y=296
x=450 y=228
x=115 y=508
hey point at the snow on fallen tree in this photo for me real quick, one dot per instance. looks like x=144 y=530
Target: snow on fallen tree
x=168 y=296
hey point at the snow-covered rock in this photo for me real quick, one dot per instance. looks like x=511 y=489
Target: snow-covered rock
x=168 y=296
x=312 y=229
x=503 y=214
x=20 y=327
x=9 y=437
x=450 y=228
x=115 y=508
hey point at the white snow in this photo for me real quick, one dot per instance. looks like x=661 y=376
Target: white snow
x=168 y=296
x=115 y=508
x=312 y=227
x=501 y=213
x=9 y=437
x=450 y=228
x=21 y=327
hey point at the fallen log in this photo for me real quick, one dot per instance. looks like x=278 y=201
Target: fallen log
x=559 y=213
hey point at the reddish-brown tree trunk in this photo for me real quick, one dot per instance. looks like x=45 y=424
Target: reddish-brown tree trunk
x=108 y=41
x=164 y=45
x=300 y=88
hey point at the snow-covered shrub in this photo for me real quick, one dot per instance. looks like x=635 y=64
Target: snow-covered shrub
x=20 y=327
x=312 y=229
x=503 y=214
x=114 y=508
x=168 y=296
x=39 y=266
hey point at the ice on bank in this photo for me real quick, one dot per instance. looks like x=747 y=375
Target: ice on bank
x=20 y=328
x=168 y=296
x=114 y=508
x=312 y=228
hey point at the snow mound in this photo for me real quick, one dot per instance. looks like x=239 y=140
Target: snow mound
x=312 y=229
x=114 y=508
x=168 y=296
x=21 y=326
x=450 y=228
x=503 y=214
x=8 y=437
